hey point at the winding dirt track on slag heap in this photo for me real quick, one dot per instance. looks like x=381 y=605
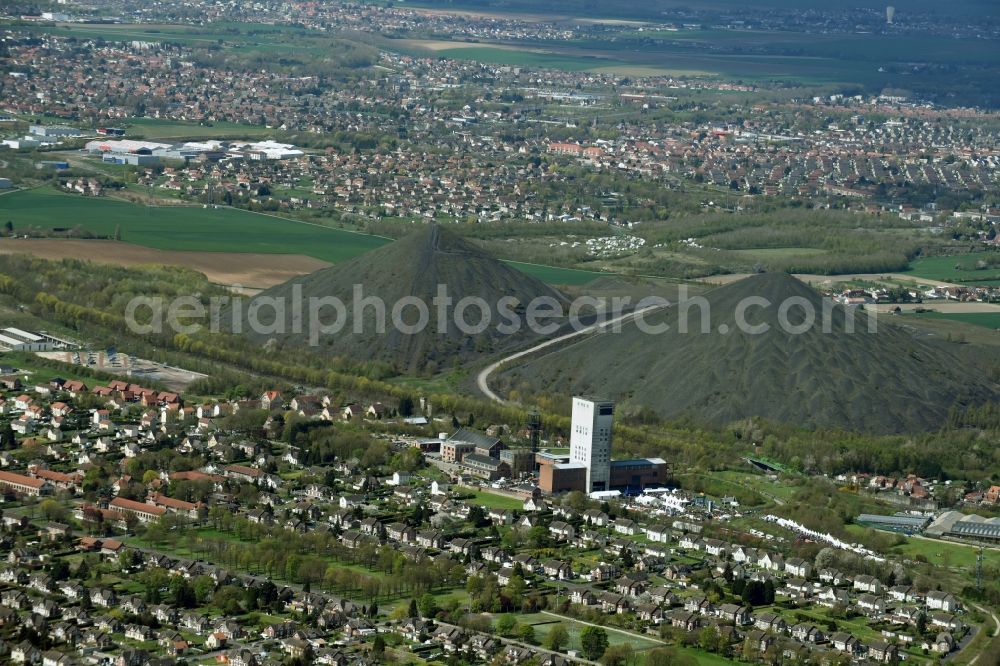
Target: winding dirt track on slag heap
x=482 y=379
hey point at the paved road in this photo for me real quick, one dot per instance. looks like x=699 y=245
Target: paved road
x=972 y=635
x=482 y=380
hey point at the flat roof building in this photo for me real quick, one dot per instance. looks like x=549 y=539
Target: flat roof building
x=50 y=131
x=16 y=339
x=637 y=473
x=899 y=522
x=562 y=478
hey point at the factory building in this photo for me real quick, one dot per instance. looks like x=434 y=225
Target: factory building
x=15 y=339
x=588 y=467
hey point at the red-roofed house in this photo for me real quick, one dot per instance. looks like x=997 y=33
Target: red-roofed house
x=144 y=512
x=243 y=473
x=24 y=485
x=58 y=479
x=173 y=505
x=271 y=400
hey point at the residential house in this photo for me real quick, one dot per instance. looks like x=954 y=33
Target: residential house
x=737 y=615
x=807 y=633
x=943 y=601
x=866 y=583
x=843 y=642
x=883 y=652
x=796 y=566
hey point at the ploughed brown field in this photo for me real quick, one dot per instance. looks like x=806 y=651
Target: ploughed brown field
x=250 y=271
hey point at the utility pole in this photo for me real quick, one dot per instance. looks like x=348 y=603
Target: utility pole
x=534 y=435
x=979 y=570
x=534 y=429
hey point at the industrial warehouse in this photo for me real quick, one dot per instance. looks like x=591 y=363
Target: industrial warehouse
x=149 y=153
x=15 y=339
x=956 y=525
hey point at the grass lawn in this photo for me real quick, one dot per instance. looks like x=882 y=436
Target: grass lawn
x=443 y=383
x=496 y=501
x=779 y=252
x=543 y=624
x=948 y=554
x=705 y=658
x=555 y=275
x=759 y=483
x=155 y=128
x=445 y=598
x=858 y=626
x=39 y=374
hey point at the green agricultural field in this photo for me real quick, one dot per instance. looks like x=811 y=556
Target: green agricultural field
x=957 y=269
x=184 y=228
x=839 y=46
x=599 y=56
x=258 y=38
x=985 y=319
x=525 y=58
x=869 y=60
x=221 y=229
x=283 y=47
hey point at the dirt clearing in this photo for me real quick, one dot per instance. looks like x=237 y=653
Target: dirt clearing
x=124 y=365
x=246 y=270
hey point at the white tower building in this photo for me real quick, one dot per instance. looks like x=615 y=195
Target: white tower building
x=590 y=440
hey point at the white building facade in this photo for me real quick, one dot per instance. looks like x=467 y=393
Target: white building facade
x=590 y=440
